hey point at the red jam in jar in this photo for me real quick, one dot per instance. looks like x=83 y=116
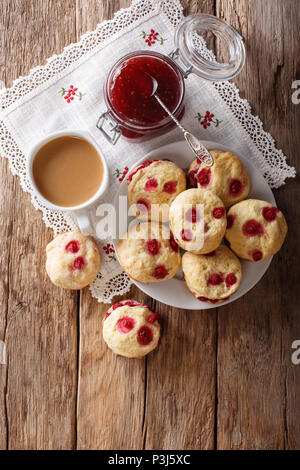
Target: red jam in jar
x=128 y=93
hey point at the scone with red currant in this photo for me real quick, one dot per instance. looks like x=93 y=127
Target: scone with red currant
x=255 y=229
x=198 y=220
x=73 y=260
x=131 y=329
x=149 y=253
x=213 y=277
x=152 y=187
x=227 y=178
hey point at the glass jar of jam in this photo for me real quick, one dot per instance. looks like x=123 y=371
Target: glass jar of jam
x=128 y=92
x=133 y=112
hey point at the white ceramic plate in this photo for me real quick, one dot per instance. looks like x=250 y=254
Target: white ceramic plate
x=174 y=292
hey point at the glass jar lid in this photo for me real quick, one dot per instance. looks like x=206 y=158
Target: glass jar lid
x=198 y=37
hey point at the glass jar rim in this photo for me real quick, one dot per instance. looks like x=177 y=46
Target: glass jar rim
x=128 y=124
x=208 y=67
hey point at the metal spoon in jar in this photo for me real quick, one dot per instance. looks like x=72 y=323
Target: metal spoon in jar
x=195 y=145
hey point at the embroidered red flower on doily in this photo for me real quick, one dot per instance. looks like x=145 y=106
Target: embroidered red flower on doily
x=207 y=119
x=152 y=37
x=71 y=93
x=120 y=176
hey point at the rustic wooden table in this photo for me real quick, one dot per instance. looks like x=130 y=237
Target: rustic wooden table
x=222 y=378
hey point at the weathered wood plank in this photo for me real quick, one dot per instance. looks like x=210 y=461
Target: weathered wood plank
x=6 y=207
x=162 y=387
x=180 y=407
x=258 y=406
x=111 y=388
x=37 y=320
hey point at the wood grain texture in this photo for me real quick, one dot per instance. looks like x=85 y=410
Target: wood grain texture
x=221 y=378
x=111 y=389
x=180 y=411
x=181 y=383
x=257 y=403
x=38 y=322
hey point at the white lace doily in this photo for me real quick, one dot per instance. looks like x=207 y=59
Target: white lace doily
x=66 y=92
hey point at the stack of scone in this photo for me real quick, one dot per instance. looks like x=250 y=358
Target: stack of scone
x=157 y=193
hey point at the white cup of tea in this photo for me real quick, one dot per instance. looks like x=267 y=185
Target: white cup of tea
x=68 y=172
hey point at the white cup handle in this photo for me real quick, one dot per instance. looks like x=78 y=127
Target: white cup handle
x=84 y=222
